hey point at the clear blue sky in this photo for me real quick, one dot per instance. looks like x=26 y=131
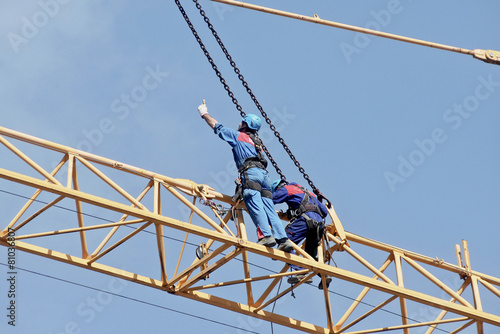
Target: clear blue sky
x=403 y=139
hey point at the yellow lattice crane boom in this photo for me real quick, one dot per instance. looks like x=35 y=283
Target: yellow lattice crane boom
x=222 y=275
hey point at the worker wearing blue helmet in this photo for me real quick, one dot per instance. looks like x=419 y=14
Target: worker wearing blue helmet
x=251 y=164
x=307 y=220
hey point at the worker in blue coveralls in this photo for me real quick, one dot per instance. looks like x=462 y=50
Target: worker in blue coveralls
x=307 y=220
x=251 y=164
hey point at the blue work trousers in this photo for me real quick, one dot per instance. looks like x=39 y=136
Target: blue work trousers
x=261 y=209
x=298 y=231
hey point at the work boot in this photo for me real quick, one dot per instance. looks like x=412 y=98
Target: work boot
x=267 y=241
x=297 y=278
x=328 y=279
x=286 y=246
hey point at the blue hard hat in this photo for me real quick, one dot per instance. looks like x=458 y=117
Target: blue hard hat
x=277 y=183
x=252 y=121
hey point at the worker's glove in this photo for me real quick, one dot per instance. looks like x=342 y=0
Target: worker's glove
x=202 y=109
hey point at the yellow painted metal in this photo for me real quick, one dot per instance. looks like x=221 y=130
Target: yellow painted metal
x=489 y=56
x=444 y=313
x=402 y=301
x=359 y=299
x=367 y=314
x=245 y=292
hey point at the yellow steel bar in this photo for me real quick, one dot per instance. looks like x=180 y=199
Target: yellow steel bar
x=79 y=210
x=32 y=199
x=402 y=301
x=418 y=257
x=278 y=278
x=78 y=229
x=21 y=212
x=420 y=324
x=465 y=247
x=194 y=295
x=196 y=264
x=113 y=185
x=123 y=208
x=71 y=170
x=244 y=254
x=122 y=219
x=458 y=252
x=209 y=242
x=159 y=233
x=361 y=260
x=367 y=314
x=436 y=281
x=244 y=280
x=489 y=56
x=219 y=263
x=444 y=312
x=195 y=209
x=300 y=251
x=477 y=301
x=490 y=287
x=38 y=212
x=186 y=186
x=252 y=312
x=475 y=288
x=337 y=226
x=223 y=222
x=30 y=162
x=118 y=243
x=317 y=20
x=326 y=294
x=82 y=263
x=363 y=293
x=181 y=253
x=284 y=292
x=464 y=326
x=258 y=249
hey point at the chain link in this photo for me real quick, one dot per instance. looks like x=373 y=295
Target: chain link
x=219 y=75
x=249 y=91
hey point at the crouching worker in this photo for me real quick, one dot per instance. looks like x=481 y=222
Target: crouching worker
x=251 y=164
x=307 y=220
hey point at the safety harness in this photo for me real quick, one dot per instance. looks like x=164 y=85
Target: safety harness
x=259 y=162
x=315 y=228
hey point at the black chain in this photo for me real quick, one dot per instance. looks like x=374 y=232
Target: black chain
x=249 y=91
x=219 y=75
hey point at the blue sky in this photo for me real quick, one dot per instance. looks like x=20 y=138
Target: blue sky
x=403 y=139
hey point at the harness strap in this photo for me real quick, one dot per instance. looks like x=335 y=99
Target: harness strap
x=250 y=163
x=258 y=161
x=256 y=186
x=306 y=205
x=317 y=229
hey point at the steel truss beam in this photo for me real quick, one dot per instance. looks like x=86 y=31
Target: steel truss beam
x=224 y=267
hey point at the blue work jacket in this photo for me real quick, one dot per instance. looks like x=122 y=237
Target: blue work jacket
x=293 y=195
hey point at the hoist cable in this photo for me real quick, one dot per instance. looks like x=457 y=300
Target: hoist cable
x=249 y=91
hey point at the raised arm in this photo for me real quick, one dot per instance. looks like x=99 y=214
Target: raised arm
x=203 y=110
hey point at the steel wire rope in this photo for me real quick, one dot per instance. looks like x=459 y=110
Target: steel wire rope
x=222 y=253
x=131 y=298
x=249 y=91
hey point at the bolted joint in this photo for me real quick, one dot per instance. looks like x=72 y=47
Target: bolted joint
x=170 y=289
x=488 y=56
